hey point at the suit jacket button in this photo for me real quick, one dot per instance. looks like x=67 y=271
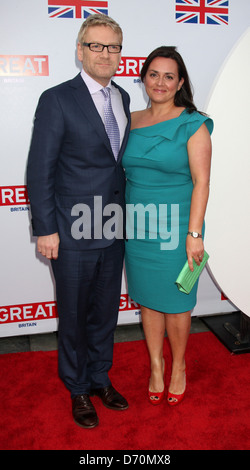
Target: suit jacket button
x=117 y=192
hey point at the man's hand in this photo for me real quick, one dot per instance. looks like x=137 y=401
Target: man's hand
x=48 y=245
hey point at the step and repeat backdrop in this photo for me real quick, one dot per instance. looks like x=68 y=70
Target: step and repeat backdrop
x=38 y=50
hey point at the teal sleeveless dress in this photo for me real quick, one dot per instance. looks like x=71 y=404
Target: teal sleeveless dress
x=158 y=197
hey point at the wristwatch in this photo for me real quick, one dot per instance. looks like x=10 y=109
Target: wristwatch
x=195 y=234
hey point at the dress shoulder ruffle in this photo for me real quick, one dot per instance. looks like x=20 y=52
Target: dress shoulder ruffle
x=146 y=139
x=168 y=129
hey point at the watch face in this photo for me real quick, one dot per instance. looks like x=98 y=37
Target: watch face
x=195 y=234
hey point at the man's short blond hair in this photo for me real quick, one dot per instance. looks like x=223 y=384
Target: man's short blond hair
x=99 y=20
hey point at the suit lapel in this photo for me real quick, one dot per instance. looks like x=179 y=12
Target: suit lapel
x=125 y=101
x=84 y=100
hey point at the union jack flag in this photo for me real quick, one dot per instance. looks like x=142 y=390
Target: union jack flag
x=76 y=8
x=202 y=11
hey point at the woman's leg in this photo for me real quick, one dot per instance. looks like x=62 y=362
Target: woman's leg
x=178 y=329
x=154 y=329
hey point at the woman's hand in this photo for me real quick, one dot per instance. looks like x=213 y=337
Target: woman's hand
x=195 y=250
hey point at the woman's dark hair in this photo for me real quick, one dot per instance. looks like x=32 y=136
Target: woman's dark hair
x=183 y=97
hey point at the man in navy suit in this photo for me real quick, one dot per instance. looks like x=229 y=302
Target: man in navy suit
x=72 y=168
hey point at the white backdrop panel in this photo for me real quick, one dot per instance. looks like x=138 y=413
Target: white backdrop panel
x=228 y=208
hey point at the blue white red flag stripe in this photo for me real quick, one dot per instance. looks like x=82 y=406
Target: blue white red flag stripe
x=91 y=11
x=76 y=8
x=202 y=11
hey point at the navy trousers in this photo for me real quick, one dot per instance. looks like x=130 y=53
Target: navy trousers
x=88 y=287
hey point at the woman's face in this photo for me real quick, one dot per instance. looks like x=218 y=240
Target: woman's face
x=162 y=80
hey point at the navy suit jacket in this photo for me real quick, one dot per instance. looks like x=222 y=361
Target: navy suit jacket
x=71 y=161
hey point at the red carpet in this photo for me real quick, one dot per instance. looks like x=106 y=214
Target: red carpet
x=215 y=414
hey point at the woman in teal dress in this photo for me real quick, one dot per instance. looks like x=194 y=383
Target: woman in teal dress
x=167 y=166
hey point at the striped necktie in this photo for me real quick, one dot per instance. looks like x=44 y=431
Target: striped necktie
x=110 y=123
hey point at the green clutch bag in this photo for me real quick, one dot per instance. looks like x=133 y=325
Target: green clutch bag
x=186 y=279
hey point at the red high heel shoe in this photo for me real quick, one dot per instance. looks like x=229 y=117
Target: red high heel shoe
x=156 y=398
x=174 y=399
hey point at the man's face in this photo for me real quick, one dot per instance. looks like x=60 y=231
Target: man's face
x=101 y=66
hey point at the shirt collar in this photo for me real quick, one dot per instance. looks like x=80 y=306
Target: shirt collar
x=93 y=85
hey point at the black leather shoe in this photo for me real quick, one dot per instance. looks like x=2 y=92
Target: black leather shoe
x=111 y=398
x=84 y=412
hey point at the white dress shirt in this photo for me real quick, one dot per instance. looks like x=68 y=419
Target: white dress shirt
x=116 y=100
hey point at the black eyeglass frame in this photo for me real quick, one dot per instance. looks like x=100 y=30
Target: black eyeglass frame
x=89 y=44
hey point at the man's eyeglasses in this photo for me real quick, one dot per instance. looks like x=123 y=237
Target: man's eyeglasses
x=95 y=47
